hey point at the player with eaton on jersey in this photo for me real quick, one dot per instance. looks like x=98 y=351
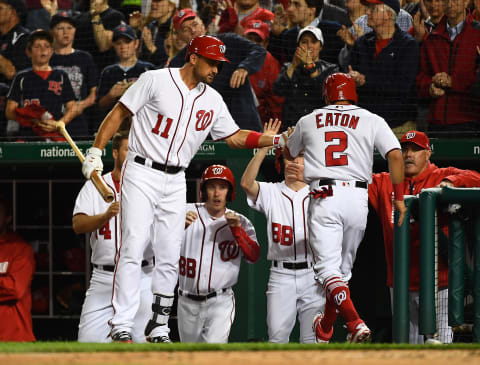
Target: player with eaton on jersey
x=216 y=239
x=173 y=110
x=93 y=215
x=291 y=286
x=339 y=141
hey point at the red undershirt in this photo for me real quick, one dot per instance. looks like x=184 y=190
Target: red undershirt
x=43 y=74
x=117 y=184
x=380 y=44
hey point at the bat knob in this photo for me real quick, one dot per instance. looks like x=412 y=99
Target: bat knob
x=60 y=125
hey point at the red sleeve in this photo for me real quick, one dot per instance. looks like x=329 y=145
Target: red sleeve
x=463 y=178
x=250 y=248
x=21 y=266
x=374 y=190
x=424 y=77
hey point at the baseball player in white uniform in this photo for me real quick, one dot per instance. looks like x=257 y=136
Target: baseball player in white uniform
x=93 y=215
x=339 y=141
x=173 y=110
x=292 y=287
x=216 y=239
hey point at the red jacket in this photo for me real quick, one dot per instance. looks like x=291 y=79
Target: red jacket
x=460 y=60
x=380 y=195
x=15 y=295
x=270 y=105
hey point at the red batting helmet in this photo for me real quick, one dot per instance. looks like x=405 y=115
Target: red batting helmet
x=339 y=86
x=217 y=172
x=208 y=47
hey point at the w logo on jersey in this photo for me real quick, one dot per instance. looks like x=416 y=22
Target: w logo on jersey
x=204 y=119
x=229 y=250
x=340 y=297
x=55 y=86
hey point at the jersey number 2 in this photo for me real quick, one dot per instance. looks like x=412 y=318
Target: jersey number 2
x=166 y=129
x=339 y=147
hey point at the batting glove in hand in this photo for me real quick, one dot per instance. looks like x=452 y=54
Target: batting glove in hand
x=93 y=161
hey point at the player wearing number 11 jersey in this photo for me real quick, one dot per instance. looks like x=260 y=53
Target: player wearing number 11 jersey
x=173 y=111
x=338 y=143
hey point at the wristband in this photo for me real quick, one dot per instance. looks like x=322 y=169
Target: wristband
x=252 y=139
x=398 y=191
x=278 y=140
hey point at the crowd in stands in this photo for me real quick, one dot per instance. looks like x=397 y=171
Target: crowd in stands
x=415 y=63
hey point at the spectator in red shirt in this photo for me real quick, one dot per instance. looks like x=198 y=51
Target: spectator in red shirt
x=420 y=173
x=448 y=70
x=269 y=105
x=17 y=266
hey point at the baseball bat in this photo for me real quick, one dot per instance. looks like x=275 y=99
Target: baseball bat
x=100 y=185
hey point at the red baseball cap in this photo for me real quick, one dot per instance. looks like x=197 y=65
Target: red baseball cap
x=419 y=138
x=181 y=16
x=258 y=27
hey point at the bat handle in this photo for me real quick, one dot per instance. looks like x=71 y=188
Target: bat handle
x=103 y=189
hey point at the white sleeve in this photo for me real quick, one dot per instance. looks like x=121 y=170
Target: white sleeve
x=263 y=199
x=295 y=141
x=223 y=126
x=139 y=93
x=385 y=140
x=85 y=200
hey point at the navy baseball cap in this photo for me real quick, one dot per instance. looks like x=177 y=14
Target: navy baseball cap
x=18 y=5
x=124 y=30
x=61 y=17
x=394 y=4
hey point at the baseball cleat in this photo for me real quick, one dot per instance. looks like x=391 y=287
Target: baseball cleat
x=360 y=334
x=123 y=337
x=159 y=339
x=320 y=335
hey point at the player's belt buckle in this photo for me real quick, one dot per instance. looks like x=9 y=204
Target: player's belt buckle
x=291 y=265
x=158 y=166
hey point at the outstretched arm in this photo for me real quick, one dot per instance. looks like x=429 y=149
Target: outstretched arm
x=249 y=139
x=248 y=182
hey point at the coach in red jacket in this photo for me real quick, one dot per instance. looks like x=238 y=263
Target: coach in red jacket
x=420 y=173
x=448 y=67
x=17 y=266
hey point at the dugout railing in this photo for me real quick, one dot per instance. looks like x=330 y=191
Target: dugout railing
x=55 y=166
x=428 y=204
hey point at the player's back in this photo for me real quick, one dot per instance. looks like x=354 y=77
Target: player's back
x=339 y=141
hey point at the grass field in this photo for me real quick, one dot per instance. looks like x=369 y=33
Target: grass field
x=49 y=347
x=73 y=353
